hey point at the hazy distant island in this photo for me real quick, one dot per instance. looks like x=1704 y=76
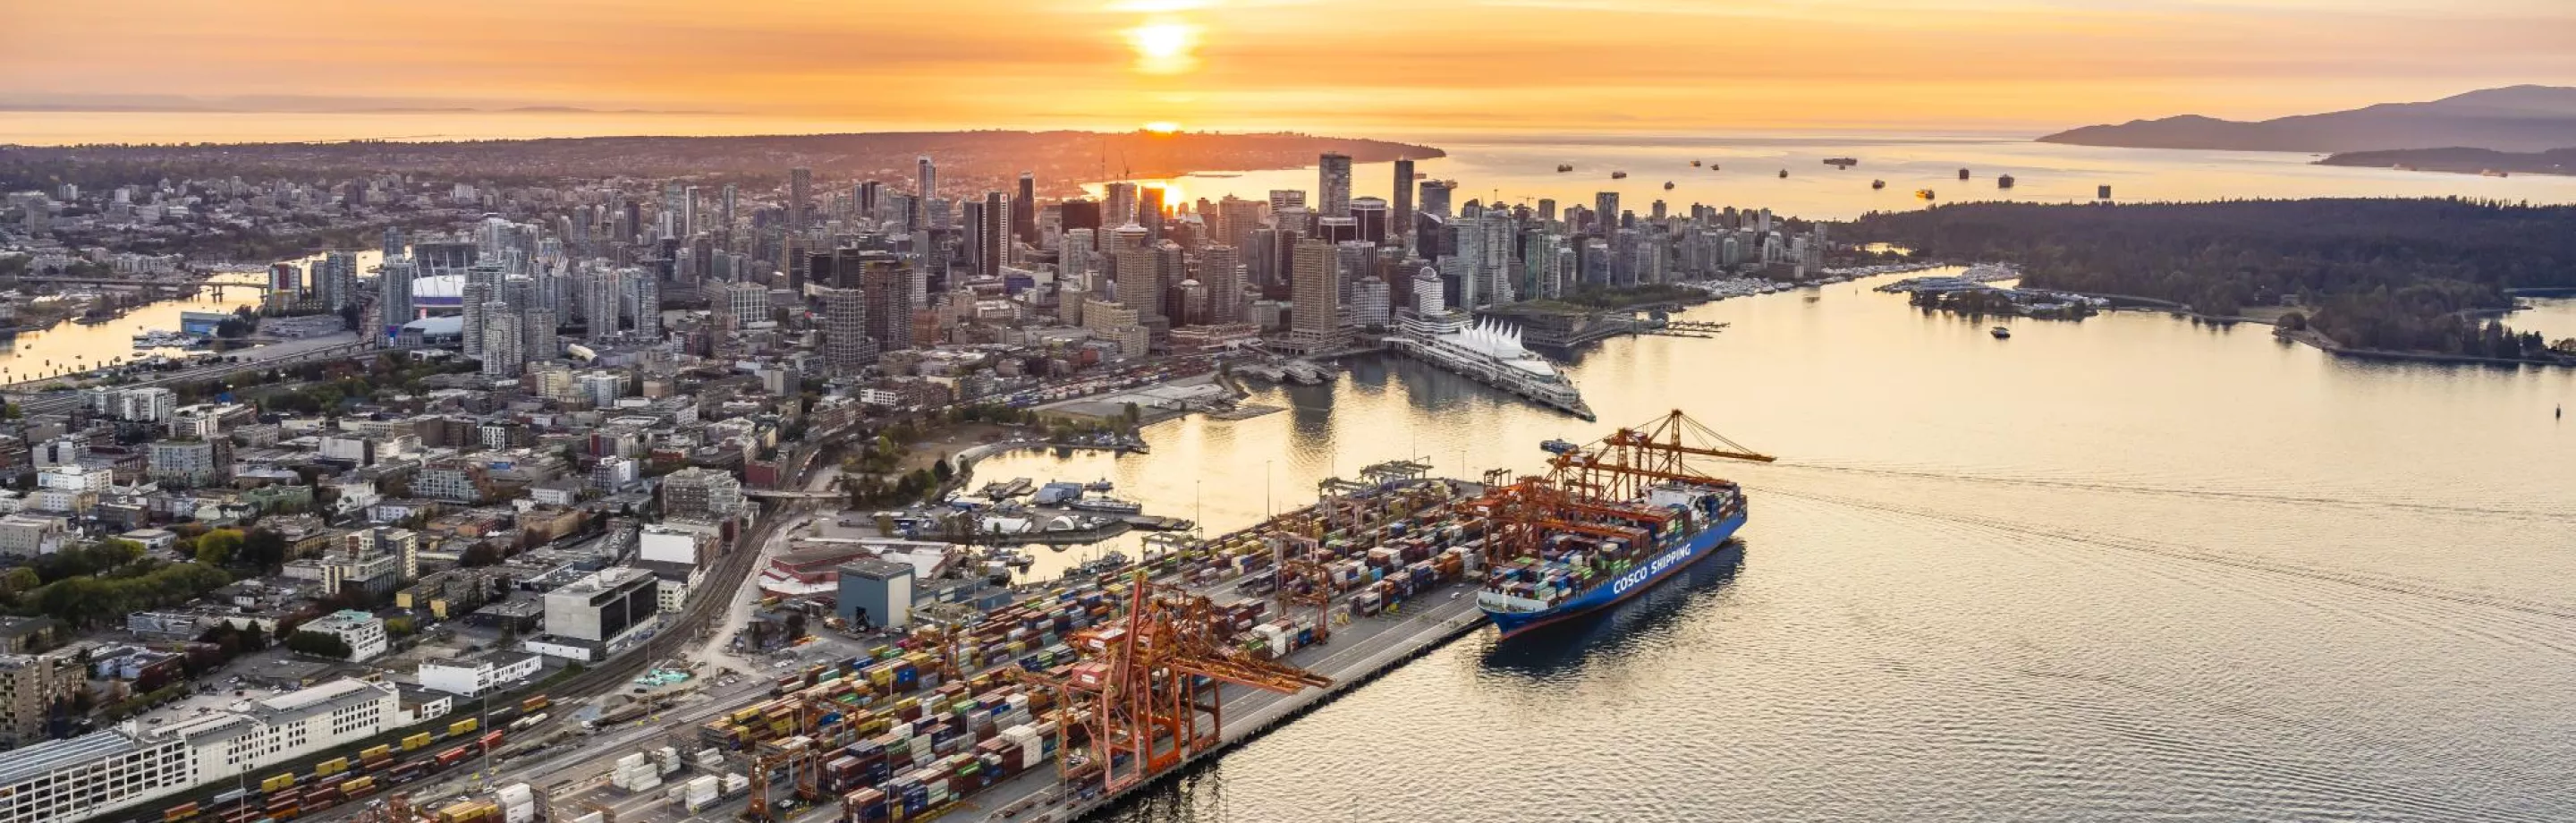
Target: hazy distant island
x=2462 y=160
x=974 y=161
x=2403 y=277
x=2510 y=119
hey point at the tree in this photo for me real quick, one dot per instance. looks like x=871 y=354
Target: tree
x=219 y=547
x=2294 y=321
x=319 y=644
x=264 y=550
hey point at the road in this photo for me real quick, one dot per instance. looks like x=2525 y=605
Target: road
x=590 y=757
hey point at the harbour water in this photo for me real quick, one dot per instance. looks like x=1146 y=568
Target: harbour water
x=2128 y=568
x=1522 y=170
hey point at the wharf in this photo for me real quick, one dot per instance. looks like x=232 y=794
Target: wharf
x=1359 y=652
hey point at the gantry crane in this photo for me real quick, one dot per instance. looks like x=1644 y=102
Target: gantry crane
x=1300 y=581
x=1590 y=490
x=1150 y=700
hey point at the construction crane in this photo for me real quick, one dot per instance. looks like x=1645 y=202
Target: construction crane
x=1593 y=489
x=1151 y=701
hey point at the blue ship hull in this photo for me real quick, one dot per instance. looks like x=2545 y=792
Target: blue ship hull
x=1617 y=589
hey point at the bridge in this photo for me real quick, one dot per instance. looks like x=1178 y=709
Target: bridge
x=32 y=397
x=785 y=494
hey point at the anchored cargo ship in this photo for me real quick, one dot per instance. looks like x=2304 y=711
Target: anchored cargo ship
x=1612 y=520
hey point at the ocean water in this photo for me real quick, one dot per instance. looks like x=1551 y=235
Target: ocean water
x=2132 y=568
x=1743 y=171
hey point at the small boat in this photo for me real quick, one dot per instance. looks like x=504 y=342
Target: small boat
x=1556 y=446
x=1784 y=174
x=1712 y=167
x=1561 y=168
x=1842 y=162
x=1668 y=185
x=1923 y=193
x=2004 y=182
x=1618 y=175
x=1963 y=174
x=1694 y=164
x=1100 y=485
x=1878 y=184
x=2000 y=333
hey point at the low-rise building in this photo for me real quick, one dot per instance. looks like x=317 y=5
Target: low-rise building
x=365 y=633
x=480 y=673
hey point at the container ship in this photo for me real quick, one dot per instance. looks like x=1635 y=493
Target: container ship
x=1609 y=521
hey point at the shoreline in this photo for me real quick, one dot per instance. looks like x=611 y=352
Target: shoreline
x=2330 y=347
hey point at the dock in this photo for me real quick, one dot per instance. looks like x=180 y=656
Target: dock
x=1360 y=652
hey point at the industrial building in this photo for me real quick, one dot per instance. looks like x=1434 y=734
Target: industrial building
x=104 y=772
x=596 y=617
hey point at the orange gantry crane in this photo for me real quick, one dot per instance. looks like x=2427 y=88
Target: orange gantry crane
x=1149 y=698
x=1591 y=490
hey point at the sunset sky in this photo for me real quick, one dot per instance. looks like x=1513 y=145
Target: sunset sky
x=1558 y=65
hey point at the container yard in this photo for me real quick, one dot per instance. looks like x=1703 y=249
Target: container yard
x=1070 y=699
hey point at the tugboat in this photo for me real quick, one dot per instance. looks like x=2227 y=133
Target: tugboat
x=1878 y=184
x=1923 y=193
x=1784 y=174
x=1694 y=164
x=2000 y=333
x=1668 y=185
x=2004 y=182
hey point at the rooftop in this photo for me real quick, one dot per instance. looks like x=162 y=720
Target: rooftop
x=36 y=760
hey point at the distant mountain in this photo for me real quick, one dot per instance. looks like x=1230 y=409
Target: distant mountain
x=2461 y=160
x=2513 y=119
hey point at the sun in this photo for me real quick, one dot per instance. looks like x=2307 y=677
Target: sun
x=1164 y=47
x=1162 y=127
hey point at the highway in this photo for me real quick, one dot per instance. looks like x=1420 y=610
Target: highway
x=25 y=395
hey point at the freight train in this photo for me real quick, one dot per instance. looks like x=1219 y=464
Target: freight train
x=287 y=795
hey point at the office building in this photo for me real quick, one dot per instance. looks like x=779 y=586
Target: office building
x=600 y=615
x=800 y=185
x=363 y=632
x=1370 y=216
x=1223 y=276
x=1399 y=220
x=482 y=672
x=1435 y=197
x=1139 y=281
x=1333 y=185
x=1314 y=307
x=1024 y=210
x=393 y=293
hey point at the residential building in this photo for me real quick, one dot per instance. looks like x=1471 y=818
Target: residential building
x=701 y=493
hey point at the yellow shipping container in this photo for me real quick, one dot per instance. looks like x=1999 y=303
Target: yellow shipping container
x=331 y=767
x=277 y=781
x=374 y=753
x=465 y=726
x=415 y=742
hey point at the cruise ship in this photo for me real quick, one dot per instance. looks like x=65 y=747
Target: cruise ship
x=1489 y=351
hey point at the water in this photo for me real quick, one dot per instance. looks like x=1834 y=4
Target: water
x=1519 y=172
x=2124 y=569
x=74 y=347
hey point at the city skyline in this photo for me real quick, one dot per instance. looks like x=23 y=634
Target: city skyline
x=1474 y=65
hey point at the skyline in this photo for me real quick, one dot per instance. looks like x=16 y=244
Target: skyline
x=1446 y=65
